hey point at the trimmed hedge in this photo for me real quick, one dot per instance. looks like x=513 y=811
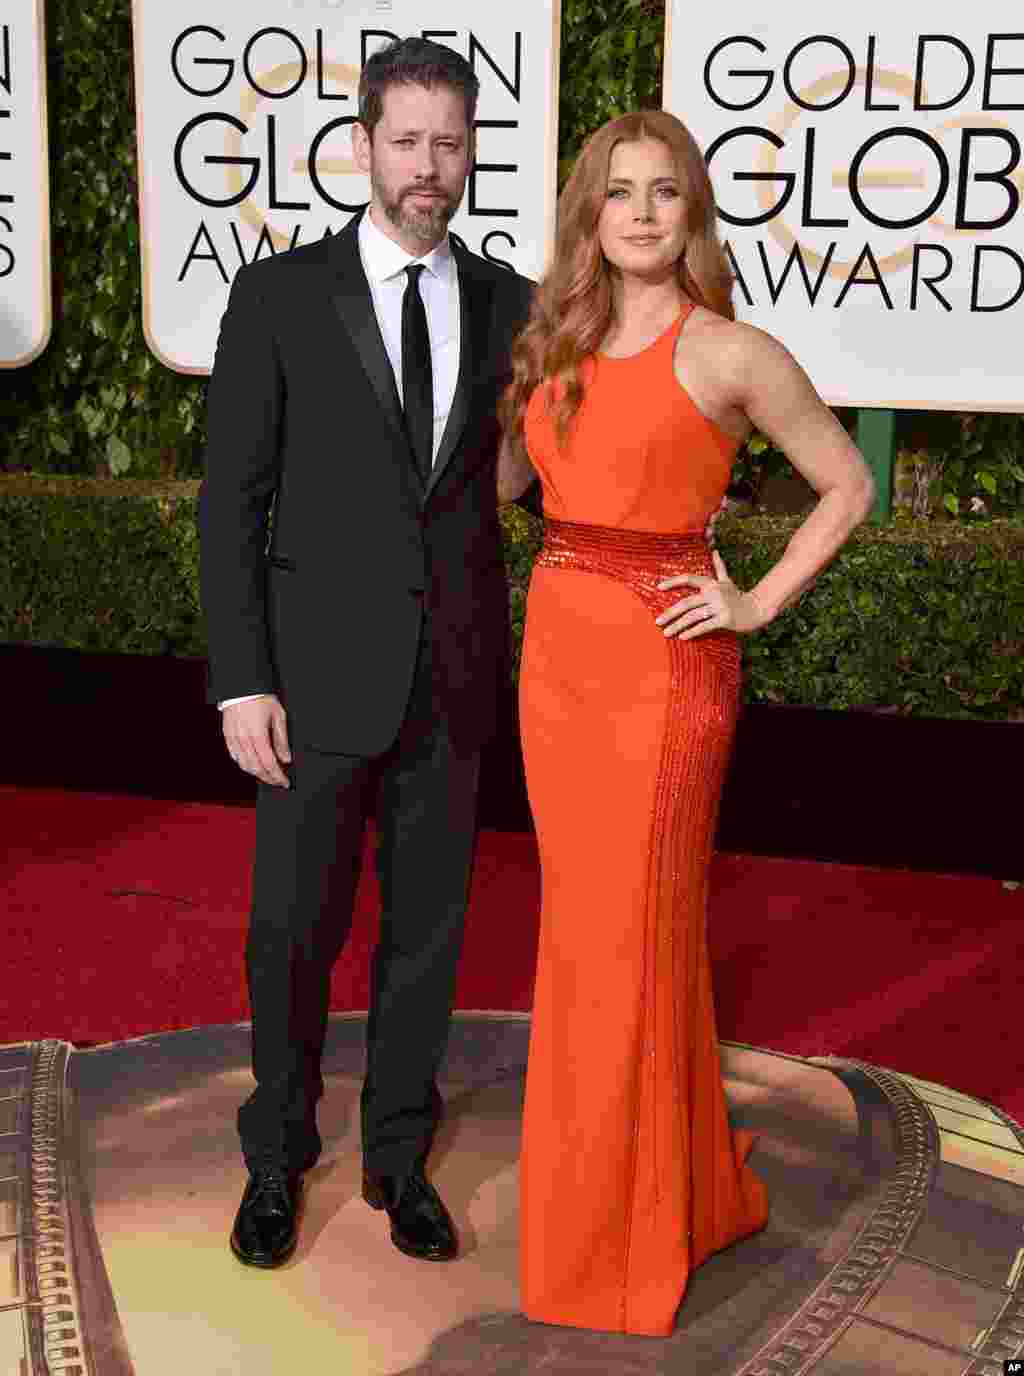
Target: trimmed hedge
x=104 y=565
x=921 y=618
x=924 y=618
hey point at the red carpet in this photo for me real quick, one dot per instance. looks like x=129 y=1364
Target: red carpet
x=125 y=916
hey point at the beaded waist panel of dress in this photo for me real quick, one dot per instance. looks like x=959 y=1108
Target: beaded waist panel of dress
x=641 y=559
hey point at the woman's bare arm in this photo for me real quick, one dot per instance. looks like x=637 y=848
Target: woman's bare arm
x=768 y=385
x=780 y=399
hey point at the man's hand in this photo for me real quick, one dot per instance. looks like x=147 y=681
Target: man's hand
x=256 y=735
x=515 y=473
x=709 y=529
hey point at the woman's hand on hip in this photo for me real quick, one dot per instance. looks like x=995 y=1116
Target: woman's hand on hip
x=716 y=605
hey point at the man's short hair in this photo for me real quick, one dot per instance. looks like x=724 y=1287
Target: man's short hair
x=419 y=62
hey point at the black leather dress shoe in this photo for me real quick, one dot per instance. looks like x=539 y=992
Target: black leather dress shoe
x=266 y=1228
x=420 y=1224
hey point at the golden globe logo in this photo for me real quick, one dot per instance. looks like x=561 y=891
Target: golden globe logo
x=278 y=152
x=266 y=140
x=928 y=175
x=851 y=196
x=244 y=119
x=315 y=165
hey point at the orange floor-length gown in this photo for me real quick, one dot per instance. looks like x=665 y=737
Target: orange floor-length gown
x=631 y=1175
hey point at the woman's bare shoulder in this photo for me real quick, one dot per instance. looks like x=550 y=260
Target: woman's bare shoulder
x=732 y=336
x=737 y=349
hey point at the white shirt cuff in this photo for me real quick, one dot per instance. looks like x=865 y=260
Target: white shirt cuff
x=230 y=702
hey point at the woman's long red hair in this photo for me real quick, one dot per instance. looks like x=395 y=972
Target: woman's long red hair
x=573 y=305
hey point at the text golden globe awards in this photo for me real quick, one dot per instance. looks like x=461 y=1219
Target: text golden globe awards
x=245 y=119
x=869 y=176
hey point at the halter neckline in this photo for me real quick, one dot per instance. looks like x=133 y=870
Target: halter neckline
x=674 y=328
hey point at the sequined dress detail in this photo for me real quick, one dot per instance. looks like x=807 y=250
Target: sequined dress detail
x=630 y=1173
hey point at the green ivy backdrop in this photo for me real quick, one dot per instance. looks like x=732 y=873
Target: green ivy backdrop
x=97 y=403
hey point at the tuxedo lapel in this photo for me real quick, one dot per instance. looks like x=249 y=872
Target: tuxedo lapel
x=354 y=304
x=474 y=312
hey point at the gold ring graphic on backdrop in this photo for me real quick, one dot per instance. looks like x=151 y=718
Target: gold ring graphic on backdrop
x=278 y=78
x=782 y=124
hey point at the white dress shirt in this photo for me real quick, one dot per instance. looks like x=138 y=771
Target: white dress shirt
x=384 y=263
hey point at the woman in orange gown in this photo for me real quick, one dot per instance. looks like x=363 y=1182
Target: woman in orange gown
x=633 y=389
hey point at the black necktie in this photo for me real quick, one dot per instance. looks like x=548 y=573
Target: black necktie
x=417 y=374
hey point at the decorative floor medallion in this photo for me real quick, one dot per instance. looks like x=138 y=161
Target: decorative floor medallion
x=895 y=1245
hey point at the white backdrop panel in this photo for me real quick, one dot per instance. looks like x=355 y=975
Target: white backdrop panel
x=245 y=115
x=879 y=147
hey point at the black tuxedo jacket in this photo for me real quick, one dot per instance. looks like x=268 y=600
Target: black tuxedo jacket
x=306 y=428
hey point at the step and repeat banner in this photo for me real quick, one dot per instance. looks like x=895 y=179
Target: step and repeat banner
x=245 y=115
x=25 y=292
x=868 y=172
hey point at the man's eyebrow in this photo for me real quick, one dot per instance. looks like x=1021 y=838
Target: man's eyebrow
x=414 y=133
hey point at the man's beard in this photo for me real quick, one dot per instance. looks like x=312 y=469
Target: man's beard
x=427 y=223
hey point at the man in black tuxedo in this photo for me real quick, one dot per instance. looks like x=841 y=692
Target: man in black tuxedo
x=360 y=654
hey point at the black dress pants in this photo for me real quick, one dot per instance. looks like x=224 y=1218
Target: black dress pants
x=309 y=841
